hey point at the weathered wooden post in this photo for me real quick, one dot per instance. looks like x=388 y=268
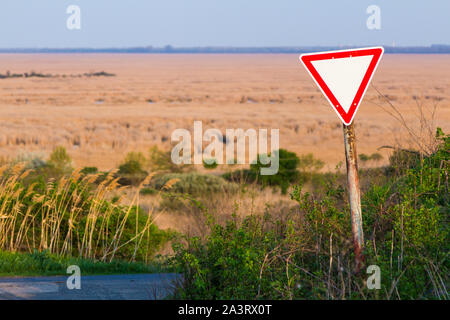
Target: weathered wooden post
x=351 y=158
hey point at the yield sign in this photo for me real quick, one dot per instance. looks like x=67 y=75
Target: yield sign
x=343 y=76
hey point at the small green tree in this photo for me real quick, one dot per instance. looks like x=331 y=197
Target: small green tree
x=137 y=157
x=60 y=160
x=363 y=157
x=376 y=157
x=309 y=165
x=161 y=161
x=131 y=173
x=287 y=171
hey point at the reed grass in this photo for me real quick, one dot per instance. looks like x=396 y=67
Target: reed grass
x=73 y=216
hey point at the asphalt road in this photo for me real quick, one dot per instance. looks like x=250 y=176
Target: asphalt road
x=110 y=287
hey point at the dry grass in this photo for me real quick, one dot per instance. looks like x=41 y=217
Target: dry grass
x=67 y=217
x=63 y=219
x=98 y=120
x=190 y=219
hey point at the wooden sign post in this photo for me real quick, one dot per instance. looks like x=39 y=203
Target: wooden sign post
x=351 y=159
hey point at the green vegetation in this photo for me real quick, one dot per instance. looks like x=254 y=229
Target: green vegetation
x=373 y=157
x=160 y=161
x=292 y=169
x=135 y=166
x=57 y=165
x=195 y=184
x=52 y=216
x=46 y=264
x=309 y=254
x=287 y=171
x=60 y=160
x=190 y=186
x=148 y=191
x=309 y=166
x=131 y=173
x=89 y=170
x=210 y=163
x=73 y=216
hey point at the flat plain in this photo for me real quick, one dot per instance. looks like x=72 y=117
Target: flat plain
x=100 y=119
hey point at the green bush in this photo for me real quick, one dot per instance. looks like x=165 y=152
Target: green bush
x=373 y=157
x=210 y=164
x=32 y=160
x=135 y=249
x=89 y=170
x=161 y=161
x=376 y=157
x=136 y=157
x=308 y=254
x=401 y=160
x=148 y=191
x=73 y=216
x=308 y=166
x=363 y=157
x=59 y=164
x=60 y=160
x=131 y=173
x=44 y=263
x=195 y=184
x=227 y=265
x=286 y=175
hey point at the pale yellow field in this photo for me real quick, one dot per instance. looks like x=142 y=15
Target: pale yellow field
x=98 y=120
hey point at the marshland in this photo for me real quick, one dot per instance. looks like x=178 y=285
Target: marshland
x=86 y=175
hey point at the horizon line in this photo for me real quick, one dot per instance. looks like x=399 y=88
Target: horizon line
x=433 y=48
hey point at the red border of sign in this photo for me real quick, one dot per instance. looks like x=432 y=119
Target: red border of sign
x=346 y=117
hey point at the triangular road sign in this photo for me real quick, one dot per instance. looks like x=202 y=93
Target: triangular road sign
x=343 y=76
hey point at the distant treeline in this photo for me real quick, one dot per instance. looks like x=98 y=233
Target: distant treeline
x=433 y=49
x=33 y=74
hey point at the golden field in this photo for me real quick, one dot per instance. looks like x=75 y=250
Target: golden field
x=100 y=119
x=289 y=235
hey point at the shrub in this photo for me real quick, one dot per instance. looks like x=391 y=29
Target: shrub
x=161 y=161
x=72 y=216
x=43 y=263
x=287 y=171
x=363 y=157
x=401 y=160
x=60 y=160
x=131 y=173
x=32 y=160
x=241 y=176
x=309 y=253
x=135 y=247
x=227 y=265
x=210 y=163
x=89 y=170
x=376 y=157
x=195 y=184
x=136 y=157
x=308 y=166
x=148 y=191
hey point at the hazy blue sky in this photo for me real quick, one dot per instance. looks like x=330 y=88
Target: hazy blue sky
x=123 y=23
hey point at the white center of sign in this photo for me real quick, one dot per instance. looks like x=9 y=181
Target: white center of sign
x=343 y=76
